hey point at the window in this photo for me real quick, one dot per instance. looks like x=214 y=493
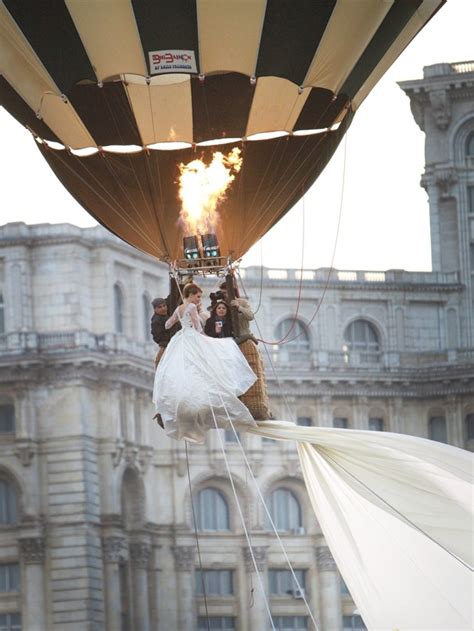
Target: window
x=282 y=583
x=221 y=623
x=470 y=145
x=7 y=418
x=350 y=623
x=230 y=437
x=469 y=424
x=118 y=308
x=340 y=422
x=10 y=622
x=146 y=317
x=216 y=582
x=470 y=200
x=290 y=623
x=286 y=511
x=304 y=421
x=8 y=503
x=361 y=336
x=212 y=511
x=9 y=577
x=296 y=345
x=2 y=315
x=437 y=429
x=376 y=424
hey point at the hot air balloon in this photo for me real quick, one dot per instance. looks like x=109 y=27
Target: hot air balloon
x=119 y=94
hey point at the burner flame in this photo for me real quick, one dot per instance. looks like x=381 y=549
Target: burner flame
x=202 y=187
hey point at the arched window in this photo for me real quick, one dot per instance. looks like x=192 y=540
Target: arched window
x=212 y=512
x=133 y=500
x=118 y=308
x=296 y=346
x=2 y=315
x=437 y=429
x=470 y=145
x=7 y=418
x=146 y=317
x=8 y=503
x=285 y=511
x=361 y=337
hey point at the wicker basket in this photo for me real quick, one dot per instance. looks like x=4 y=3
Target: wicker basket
x=256 y=398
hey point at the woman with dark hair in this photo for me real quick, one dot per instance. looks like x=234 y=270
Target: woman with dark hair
x=219 y=323
x=199 y=378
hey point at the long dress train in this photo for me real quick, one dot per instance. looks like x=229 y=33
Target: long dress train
x=198 y=381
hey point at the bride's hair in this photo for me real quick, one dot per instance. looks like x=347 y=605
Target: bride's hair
x=191 y=288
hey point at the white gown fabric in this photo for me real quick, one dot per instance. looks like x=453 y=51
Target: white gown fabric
x=397 y=514
x=198 y=381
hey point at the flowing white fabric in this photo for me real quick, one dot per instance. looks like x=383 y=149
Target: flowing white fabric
x=397 y=514
x=196 y=372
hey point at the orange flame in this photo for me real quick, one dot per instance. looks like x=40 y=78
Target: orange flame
x=202 y=187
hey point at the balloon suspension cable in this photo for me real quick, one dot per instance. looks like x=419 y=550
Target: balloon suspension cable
x=242 y=519
x=266 y=509
x=203 y=582
x=208 y=374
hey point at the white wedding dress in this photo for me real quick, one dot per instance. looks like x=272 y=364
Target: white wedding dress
x=198 y=380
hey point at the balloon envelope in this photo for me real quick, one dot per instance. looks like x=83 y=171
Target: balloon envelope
x=131 y=89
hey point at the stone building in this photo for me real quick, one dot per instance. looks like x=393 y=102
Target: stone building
x=96 y=519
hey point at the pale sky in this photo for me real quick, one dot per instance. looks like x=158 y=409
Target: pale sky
x=384 y=221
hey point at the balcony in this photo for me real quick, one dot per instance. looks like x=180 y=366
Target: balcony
x=343 y=277
x=387 y=361
x=31 y=343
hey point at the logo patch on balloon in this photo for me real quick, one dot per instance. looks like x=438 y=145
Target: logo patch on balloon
x=162 y=61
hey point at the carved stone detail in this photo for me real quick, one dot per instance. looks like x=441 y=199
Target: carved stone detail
x=140 y=554
x=445 y=179
x=325 y=560
x=33 y=549
x=260 y=555
x=184 y=558
x=114 y=549
x=441 y=108
x=145 y=457
x=25 y=452
x=117 y=453
x=417 y=106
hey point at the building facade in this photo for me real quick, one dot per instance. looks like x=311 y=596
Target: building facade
x=97 y=527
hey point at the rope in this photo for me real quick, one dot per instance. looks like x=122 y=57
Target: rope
x=262 y=499
x=300 y=288
x=331 y=268
x=197 y=539
x=261 y=279
x=234 y=491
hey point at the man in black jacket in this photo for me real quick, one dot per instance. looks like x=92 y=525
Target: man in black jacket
x=160 y=335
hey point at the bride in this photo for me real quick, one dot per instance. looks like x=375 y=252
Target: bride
x=199 y=378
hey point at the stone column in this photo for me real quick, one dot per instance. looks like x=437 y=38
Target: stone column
x=139 y=558
x=155 y=595
x=324 y=412
x=114 y=550
x=184 y=565
x=258 y=614
x=361 y=413
x=330 y=590
x=33 y=556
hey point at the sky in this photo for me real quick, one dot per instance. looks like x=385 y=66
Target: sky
x=371 y=184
